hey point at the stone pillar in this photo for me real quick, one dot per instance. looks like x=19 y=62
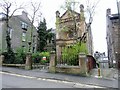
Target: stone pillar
x=83 y=64
x=58 y=53
x=28 y=64
x=1 y=59
x=52 y=65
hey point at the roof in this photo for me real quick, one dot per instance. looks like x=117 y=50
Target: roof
x=113 y=16
x=22 y=18
x=70 y=11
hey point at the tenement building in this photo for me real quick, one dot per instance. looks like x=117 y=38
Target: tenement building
x=113 y=37
x=19 y=31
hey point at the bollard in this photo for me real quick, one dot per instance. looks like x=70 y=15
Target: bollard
x=98 y=71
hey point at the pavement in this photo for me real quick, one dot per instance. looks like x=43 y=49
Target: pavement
x=106 y=73
x=43 y=73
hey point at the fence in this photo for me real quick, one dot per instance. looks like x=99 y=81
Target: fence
x=64 y=67
x=69 y=57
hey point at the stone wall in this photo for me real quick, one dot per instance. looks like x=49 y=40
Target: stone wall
x=69 y=70
x=81 y=69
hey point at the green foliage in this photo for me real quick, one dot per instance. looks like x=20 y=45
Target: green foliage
x=65 y=29
x=43 y=36
x=20 y=56
x=15 y=58
x=9 y=57
x=42 y=40
x=70 y=53
x=43 y=62
x=45 y=54
x=69 y=4
x=36 y=58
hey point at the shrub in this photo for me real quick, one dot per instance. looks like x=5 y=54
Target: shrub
x=9 y=57
x=36 y=58
x=20 y=56
x=45 y=54
x=70 y=53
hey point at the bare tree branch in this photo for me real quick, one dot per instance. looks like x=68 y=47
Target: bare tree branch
x=34 y=7
x=91 y=10
x=15 y=11
x=7 y=6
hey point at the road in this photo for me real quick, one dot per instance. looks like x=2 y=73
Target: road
x=10 y=80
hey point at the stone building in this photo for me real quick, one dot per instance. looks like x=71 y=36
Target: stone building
x=113 y=37
x=70 y=28
x=20 y=32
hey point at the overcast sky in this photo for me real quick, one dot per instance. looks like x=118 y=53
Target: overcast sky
x=49 y=7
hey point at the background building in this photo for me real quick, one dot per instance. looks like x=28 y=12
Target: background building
x=70 y=28
x=113 y=37
x=19 y=30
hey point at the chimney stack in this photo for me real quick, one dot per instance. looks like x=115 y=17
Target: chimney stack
x=57 y=14
x=108 y=11
x=24 y=13
x=81 y=8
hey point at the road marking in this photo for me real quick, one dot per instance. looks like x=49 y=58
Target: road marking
x=77 y=85
x=18 y=75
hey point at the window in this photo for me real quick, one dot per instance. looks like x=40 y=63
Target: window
x=24 y=25
x=24 y=36
x=10 y=30
x=24 y=48
x=2 y=15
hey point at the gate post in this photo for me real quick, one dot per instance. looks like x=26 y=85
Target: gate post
x=1 y=59
x=52 y=65
x=28 y=64
x=83 y=64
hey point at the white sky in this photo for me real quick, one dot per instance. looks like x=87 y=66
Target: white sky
x=49 y=7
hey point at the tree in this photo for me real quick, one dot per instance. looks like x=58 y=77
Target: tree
x=50 y=35
x=35 y=13
x=42 y=39
x=43 y=36
x=90 y=11
x=51 y=38
x=7 y=9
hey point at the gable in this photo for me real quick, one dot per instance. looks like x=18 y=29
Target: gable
x=69 y=13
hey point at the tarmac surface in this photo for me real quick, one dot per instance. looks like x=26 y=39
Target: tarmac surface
x=90 y=80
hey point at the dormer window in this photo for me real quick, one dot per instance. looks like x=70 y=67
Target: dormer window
x=24 y=25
